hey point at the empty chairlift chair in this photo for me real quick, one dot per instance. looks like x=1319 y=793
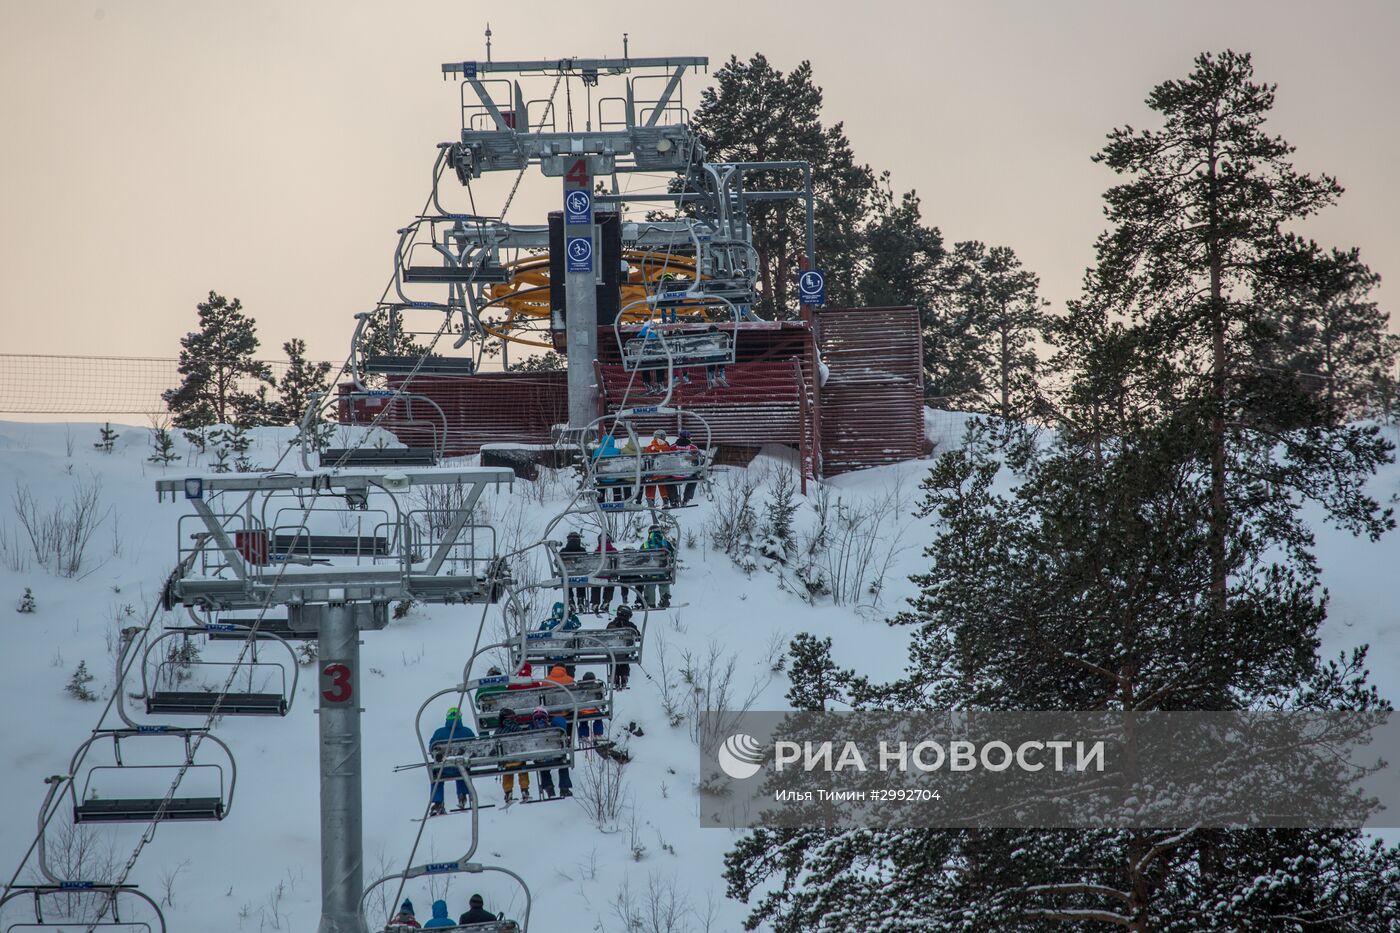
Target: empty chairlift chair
x=108 y=792
x=244 y=686
x=76 y=905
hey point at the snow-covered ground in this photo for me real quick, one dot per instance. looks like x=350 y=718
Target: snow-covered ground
x=259 y=868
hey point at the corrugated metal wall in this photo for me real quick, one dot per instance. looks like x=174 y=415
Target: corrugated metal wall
x=870 y=411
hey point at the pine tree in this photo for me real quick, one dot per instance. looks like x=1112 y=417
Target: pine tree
x=216 y=362
x=163 y=446
x=384 y=335
x=1196 y=260
x=1331 y=337
x=988 y=314
x=27 y=603
x=755 y=112
x=109 y=438
x=779 y=541
x=816 y=680
x=299 y=383
x=78 y=684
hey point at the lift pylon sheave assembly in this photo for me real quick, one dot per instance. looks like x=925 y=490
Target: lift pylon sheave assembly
x=248 y=560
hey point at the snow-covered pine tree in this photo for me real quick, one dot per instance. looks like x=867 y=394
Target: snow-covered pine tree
x=1150 y=557
x=27 y=603
x=78 y=684
x=108 y=438
x=215 y=363
x=778 y=540
x=163 y=446
x=816 y=680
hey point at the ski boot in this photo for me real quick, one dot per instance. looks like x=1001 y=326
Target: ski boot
x=524 y=795
x=436 y=809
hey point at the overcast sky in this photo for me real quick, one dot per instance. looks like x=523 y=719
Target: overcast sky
x=155 y=150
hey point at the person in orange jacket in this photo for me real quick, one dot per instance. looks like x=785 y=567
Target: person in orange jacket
x=658 y=445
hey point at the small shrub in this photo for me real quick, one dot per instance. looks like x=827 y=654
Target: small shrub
x=78 y=684
x=27 y=602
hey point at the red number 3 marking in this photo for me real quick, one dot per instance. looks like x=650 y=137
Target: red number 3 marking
x=339 y=690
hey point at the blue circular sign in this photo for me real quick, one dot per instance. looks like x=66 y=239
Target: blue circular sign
x=580 y=249
x=811 y=281
x=577 y=202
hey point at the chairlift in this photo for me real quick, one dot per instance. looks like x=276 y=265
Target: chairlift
x=579 y=701
x=623 y=567
x=686 y=328
x=620 y=479
x=89 y=806
x=250 y=692
x=583 y=646
x=239 y=628
x=108 y=916
x=458 y=866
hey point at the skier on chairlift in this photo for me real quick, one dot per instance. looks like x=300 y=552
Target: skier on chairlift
x=507 y=724
x=658 y=445
x=647 y=593
x=561 y=620
x=453 y=730
x=586 y=726
x=477 y=913
x=652 y=379
x=405 y=918
x=541 y=719
x=622 y=672
x=441 y=919
x=601 y=596
x=682 y=493
x=573 y=544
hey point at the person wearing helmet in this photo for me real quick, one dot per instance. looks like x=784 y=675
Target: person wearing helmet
x=658 y=445
x=657 y=595
x=595 y=724
x=573 y=545
x=622 y=672
x=507 y=723
x=561 y=620
x=453 y=730
x=651 y=352
x=541 y=719
x=601 y=596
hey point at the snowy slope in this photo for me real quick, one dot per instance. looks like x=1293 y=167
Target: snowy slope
x=259 y=869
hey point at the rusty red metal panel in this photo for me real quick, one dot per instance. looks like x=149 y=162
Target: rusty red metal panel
x=872 y=402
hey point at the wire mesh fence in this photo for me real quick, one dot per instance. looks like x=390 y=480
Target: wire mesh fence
x=43 y=384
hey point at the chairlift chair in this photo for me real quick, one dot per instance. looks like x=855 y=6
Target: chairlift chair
x=89 y=807
x=623 y=567
x=584 y=646
x=243 y=701
x=463 y=865
x=581 y=701
x=111 y=913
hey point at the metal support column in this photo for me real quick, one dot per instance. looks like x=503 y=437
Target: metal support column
x=581 y=302
x=342 y=836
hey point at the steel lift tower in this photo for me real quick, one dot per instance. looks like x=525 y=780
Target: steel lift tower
x=505 y=131
x=256 y=541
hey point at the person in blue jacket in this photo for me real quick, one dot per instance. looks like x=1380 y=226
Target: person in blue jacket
x=440 y=917
x=652 y=379
x=656 y=595
x=453 y=730
x=561 y=619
